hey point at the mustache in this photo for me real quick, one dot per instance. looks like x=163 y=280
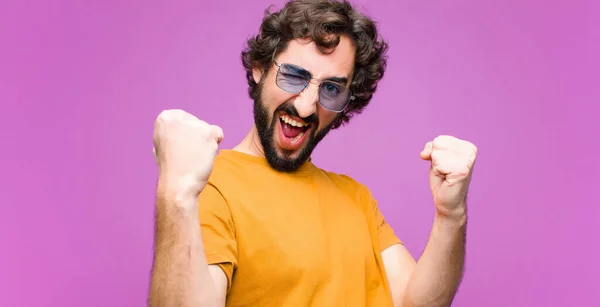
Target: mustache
x=289 y=108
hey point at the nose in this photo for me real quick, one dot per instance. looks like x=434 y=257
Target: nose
x=306 y=101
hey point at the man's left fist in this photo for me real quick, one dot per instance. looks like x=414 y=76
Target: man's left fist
x=452 y=163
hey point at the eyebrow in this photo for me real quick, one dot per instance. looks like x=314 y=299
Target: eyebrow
x=341 y=80
x=302 y=71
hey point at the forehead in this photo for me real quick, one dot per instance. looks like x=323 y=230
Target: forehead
x=304 y=53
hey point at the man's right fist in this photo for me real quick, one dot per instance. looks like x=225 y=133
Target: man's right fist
x=185 y=149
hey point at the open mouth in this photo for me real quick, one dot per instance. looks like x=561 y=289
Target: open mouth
x=293 y=130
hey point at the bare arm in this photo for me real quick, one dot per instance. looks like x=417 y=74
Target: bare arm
x=434 y=279
x=181 y=275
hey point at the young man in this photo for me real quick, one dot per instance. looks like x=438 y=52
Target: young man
x=261 y=225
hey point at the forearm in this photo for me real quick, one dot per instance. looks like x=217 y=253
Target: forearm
x=180 y=275
x=439 y=270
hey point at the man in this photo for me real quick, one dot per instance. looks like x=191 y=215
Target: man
x=261 y=225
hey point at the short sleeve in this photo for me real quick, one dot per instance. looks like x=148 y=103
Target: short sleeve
x=385 y=233
x=218 y=231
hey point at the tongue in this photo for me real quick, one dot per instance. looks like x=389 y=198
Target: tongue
x=291 y=131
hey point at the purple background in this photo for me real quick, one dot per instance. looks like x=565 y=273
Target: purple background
x=81 y=83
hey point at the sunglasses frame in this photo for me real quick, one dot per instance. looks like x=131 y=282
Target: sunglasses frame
x=350 y=97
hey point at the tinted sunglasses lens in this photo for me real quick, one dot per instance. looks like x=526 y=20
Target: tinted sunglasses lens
x=333 y=96
x=289 y=80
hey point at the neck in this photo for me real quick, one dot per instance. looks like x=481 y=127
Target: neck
x=251 y=144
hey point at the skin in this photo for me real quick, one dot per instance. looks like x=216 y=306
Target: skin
x=339 y=63
x=181 y=275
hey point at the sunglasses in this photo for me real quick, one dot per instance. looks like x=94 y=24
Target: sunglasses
x=332 y=94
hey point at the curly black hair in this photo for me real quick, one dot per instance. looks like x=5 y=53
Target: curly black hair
x=323 y=22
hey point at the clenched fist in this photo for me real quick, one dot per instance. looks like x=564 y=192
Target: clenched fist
x=452 y=163
x=185 y=148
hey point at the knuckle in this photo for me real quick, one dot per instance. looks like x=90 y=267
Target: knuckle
x=202 y=132
x=164 y=113
x=165 y=117
x=464 y=171
x=160 y=118
x=206 y=133
x=470 y=160
x=440 y=140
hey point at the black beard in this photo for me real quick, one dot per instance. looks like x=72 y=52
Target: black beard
x=265 y=125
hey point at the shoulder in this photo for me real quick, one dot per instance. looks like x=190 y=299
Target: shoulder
x=238 y=175
x=347 y=184
x=227 y=169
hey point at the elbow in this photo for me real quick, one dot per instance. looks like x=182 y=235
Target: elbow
x=408 y=301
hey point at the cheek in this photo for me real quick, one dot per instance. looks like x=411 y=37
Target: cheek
x=269 y=99
x=273 y=96
x=326 y=117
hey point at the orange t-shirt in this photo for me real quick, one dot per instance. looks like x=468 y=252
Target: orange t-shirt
x=311 y=238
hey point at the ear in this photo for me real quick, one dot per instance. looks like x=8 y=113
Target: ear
x=257 y=73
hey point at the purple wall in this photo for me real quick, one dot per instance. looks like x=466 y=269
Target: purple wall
x=81 y=83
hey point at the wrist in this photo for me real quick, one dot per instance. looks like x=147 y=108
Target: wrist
x=180 y=192
x=456 y=217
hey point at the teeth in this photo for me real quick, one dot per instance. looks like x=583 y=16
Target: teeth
x=294 y=140
x=291 y=122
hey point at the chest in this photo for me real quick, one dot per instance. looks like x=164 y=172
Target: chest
x=318 y=236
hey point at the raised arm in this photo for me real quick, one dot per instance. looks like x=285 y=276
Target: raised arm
x=185 y=148
x=181 y=275
x=434 y=279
